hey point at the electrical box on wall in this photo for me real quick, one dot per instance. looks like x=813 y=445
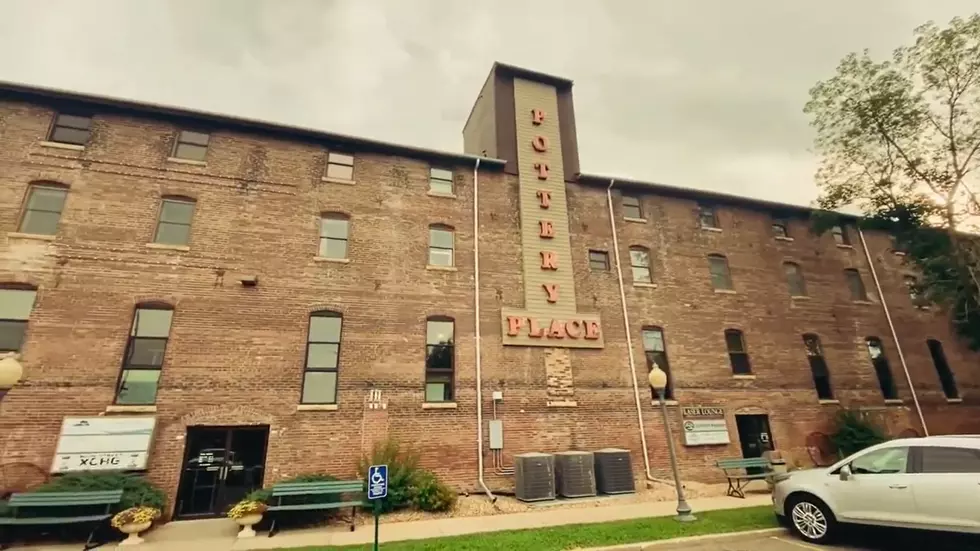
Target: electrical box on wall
x=498 y=396
x=496 y=434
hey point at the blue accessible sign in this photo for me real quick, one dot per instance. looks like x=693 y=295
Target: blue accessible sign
x=377 y=482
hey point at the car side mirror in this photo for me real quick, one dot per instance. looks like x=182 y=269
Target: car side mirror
x=845 y=472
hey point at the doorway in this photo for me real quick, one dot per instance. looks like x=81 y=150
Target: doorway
x=221 y=466
x=755 y=436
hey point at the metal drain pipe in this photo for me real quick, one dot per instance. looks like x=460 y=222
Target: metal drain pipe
x=476 y=330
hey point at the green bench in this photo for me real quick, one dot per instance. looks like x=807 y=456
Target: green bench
x=59 y=509
x=738 y=473
x=296 y=496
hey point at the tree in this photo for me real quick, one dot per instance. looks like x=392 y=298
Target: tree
x=900 y=141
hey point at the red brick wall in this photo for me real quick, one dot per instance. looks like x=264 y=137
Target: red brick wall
x=236 y=354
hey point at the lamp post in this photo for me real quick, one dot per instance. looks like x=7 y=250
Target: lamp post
x=658 y=382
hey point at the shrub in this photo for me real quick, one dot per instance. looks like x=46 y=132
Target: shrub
x=854 y=431
x=137 y=491
x=403 y=472
x=431 y=494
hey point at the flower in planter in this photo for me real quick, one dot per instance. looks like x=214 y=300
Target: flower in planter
x=135 y=515
x=246 y=508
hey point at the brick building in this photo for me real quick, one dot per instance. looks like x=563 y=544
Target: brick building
x=291 y=296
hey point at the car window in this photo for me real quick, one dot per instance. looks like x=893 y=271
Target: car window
x=950 y=460
x=885 y=461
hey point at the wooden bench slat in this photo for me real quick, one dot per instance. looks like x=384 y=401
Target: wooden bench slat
x=62 y=502
x=13 y=521
x=316 y=506
x=357 y=483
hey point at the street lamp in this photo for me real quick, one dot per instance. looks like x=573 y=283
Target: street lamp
x=658 y=382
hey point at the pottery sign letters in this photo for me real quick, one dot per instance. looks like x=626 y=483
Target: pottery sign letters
x=550 y=317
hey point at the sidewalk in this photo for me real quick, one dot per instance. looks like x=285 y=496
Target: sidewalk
x=182 y=536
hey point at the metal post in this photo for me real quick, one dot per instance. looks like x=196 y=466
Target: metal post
x=683 y=509
x=377 y=515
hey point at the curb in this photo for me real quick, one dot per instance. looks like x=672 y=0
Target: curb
x=727 y=536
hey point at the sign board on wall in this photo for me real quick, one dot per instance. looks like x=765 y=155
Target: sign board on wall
x=705 y=426
x=103 y=444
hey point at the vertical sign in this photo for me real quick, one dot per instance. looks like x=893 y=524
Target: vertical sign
x=377 y=490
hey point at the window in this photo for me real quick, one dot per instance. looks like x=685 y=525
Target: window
x=631 y=207
x=440 y=352
x=71 y=129
x=794 y=277
x=721 y=276
x=599 y=261
x=174 y=226
x=818 y=367
x=655 y=350
x=192 y=146
x=884 y=461
x=737 y=354
x=440 y=245
x=15 y=310
x=942 y=368
x=322 y=358
x=441 y=181
x=937 y=460
x=42 y=210
x=640 y=264
x=876 y=351
x=780 y=229
x=334 y=228
x=340 y=166
x=144 y=355
x=856 y=285
x=840 y=235
x=707 y=216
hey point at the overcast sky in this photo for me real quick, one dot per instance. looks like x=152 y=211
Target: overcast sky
x=705 y=94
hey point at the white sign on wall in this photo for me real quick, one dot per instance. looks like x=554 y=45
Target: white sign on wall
x=703 y=432
x=103 y=444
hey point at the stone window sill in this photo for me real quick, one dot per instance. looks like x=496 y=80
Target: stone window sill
x=645 y=285
x=34 y=236
x=842 y=246
x=165 y=247
x=439 y=405
x=59 y=145
x=781 y=238
x=130 y=409
x=441 y=268
x=862 y=302
x=898 y=253
x=190 y=162
x=708 y=228
x=442 y=195
x=340 y=181
x=334 y=260
x=799 y=297
x=562 y=404
x=635 y=220
x=954 y=400
x=895 y=402
x=669 y=403
x=725 y=291
x=316 y=407
x=746 y=377
x=828 y=402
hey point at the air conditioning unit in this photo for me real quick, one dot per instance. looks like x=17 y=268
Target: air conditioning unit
x=614 y=472
x=575 y=474
x=534 y=476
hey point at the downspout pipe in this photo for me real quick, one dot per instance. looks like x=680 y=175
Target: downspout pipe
x=476 y=331
x=891 y=326
x=629 y=338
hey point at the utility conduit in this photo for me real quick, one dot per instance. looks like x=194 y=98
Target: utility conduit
x=476 y=331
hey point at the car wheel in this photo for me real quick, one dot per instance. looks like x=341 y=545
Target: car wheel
x=811 y=519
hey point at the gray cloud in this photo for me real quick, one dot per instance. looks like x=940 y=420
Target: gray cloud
x=705 y=94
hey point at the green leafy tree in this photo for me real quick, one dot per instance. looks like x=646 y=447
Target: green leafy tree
x=900 y=141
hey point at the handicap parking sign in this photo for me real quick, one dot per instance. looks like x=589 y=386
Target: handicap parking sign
x=377 y=482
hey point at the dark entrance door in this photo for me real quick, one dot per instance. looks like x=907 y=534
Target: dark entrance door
x=221 y=466
x=755 y=437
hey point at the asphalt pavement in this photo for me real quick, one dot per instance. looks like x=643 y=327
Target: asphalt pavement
x=859 y=539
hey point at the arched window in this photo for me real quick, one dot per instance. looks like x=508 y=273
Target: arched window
x=856 y=285
x=16 y=304
x=818 y=366
x=794 y=278
x=942 y=369
x=441 y=245
x=145 y=350
x=440 y=358
x=721 y=276
x=334 y=231
x=640 y=264
x=655 y=350
x=43 y=206
x=876 y=351
x=322 y=358
x=738 y=354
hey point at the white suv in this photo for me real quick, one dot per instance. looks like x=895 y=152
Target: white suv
x=926 y=483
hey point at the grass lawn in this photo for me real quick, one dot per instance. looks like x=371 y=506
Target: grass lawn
x=559 y=538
